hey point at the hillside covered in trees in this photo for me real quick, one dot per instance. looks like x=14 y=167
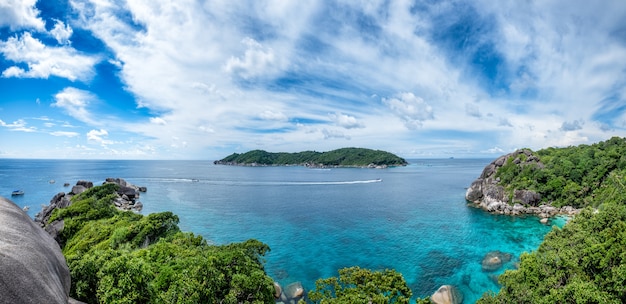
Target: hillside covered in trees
x=585 y=261
x=345 y=157
x=122 y=257
x=571 y=176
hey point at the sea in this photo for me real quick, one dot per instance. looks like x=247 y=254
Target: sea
x=413 y=219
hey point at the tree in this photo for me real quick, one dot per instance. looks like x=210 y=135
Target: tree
x=357 y=285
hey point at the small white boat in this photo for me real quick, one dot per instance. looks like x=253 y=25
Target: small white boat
x=17 y=192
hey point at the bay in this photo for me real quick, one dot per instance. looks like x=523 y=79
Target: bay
x=413 y=219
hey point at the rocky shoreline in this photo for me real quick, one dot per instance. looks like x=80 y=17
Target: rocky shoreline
x=487 y=193
x=307 y=165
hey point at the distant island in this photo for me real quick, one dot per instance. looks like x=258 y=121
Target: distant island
x=345 y=157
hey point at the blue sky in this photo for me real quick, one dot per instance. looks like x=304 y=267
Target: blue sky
x=186 y=79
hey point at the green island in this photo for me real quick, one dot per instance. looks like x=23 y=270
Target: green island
x=344 y=157
x=122 y=257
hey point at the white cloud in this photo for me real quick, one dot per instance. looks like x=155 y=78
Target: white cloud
x=18 y=125
x=64 y=133
x=20 y=14
x=345 y=121
x=45 y=61
x=99 y=136
x=158 y=121
x=75 y=102
x=413 y=110
x=271 y=115
x=61 y=32
x=257 y=61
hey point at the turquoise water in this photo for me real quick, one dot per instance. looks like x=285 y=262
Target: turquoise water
x=413 y=219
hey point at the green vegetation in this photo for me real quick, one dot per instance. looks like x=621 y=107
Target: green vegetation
x=346 y=157
x=123 y=257
x=357 y=285
x=585 y=261
x=569 y=176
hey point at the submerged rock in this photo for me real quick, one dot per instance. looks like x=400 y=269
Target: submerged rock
x=294 y=291
x=447 y=294
x=33 y=269
x=494 y=260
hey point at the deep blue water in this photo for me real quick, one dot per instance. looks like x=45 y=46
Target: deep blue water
x=414 y=219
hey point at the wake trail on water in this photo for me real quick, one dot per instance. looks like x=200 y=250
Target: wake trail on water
x=262 y=183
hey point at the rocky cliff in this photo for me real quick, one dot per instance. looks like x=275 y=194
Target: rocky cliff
x=488 y=193
x=32 y=267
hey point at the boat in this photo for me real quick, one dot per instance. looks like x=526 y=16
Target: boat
x=17 y=192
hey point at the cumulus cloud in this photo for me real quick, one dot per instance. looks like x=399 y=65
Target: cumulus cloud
x=413 y=110
x=345 y=121
x=45 y=61
x=20 y=14
x=572 y=125
x=75 y=102
x=256 y=61
x=158 y=121
x=99 y=136
x=61 y=32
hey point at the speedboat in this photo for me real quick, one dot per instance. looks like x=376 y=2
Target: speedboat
x=17 y=192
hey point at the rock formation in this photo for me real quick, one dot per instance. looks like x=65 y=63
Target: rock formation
x=447 y=294
x=127 y=199
x=487 y=193
x=33 y=269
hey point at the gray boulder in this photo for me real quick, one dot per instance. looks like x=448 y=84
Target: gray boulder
x=32 y=267
x=78 y=189
x=84 y=183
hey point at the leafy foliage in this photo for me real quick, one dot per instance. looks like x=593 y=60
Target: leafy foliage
x=122 y=257
x=585 y=261
x=345 y=157
x=566 y=176
x=357 y=285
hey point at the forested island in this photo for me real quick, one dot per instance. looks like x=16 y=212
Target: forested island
x=345 y=157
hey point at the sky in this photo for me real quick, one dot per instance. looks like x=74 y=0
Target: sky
x=192 y=79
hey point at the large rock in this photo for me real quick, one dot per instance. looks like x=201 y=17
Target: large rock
x=32 y=267
x=447 y=294
x=294 y=291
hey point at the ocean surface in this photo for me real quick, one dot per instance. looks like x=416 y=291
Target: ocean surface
x=413 y=219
